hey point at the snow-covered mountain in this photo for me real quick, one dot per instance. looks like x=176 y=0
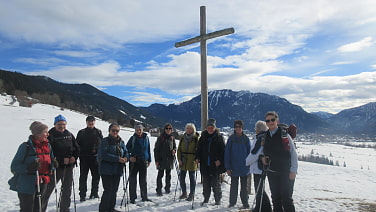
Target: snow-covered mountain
x=227 y=105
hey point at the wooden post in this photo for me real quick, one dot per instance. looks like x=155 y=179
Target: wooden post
x=202 y=39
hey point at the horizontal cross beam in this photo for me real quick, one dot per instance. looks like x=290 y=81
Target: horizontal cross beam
x=205 y=37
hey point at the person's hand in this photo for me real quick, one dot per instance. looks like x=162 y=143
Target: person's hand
x=292 y=175
x=217 y=163
x=66 y=161
x=122 y=160
x=34 y=166
x=72 y=160
x=147 y=164
x=173 y=152
x=229 y=172
x=197 y=161
x=126 y=159
x=180 y=163
x=157 y=164
x=55 y=163
x=132 y=159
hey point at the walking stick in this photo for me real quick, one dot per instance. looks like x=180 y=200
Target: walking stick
x=193 y=197
x=74 y=193
x=178 y=173
x=125 y=185
x=61 y=189
x=57 y=209
x=39 y=196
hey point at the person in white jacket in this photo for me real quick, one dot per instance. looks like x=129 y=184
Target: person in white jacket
x=259 y=174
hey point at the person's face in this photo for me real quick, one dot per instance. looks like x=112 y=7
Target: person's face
x=238 y=129
x=271 y=122
x=189 y=130
x=61 y=126
x=90 y=124
x=168 y=130
x=42 y=136
x=114 y=131
x=139 y=131
x=210 y=129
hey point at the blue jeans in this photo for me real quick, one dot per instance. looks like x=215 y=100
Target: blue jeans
x=192 y=181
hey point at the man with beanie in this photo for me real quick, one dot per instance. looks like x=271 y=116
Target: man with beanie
x=88 y=139
x=210 y=155
x=139 y=160
x=66 y=151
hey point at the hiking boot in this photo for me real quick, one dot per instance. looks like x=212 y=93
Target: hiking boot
x=82 y=199
x=183 y=196
x=231 y=205
x=146 y=200
x=190 y=197
x=167 y=191
x=133 y=201
x=218 y=202
x=94 y=196
x=159 y=193
x=204 y=202
x=114 y=210
x=245 y=206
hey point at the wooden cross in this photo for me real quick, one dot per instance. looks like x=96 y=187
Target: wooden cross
x=202 y=39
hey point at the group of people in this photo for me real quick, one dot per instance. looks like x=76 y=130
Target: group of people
x=49 y=156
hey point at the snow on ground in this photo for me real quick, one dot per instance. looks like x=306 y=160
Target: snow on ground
x=317 y=187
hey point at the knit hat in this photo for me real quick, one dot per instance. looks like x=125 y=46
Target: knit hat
x=90 y=118
x=139 y=125
x=59 y=118
x=211 y=122
x=37 y=128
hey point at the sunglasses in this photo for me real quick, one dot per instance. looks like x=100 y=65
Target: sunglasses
x=270 y=120
x=168 y=128
x=238 y=126
x=113 y=130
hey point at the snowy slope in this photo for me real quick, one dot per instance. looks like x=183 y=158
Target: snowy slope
x=317 y=188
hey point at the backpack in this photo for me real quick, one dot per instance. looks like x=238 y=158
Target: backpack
x=291 y=130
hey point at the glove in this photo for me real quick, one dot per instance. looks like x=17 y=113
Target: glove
x=55 y=163
x=34 y=166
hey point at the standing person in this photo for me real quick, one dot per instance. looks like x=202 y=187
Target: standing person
x=237 y=149
x=33 y=157
x=66 y=151
x=186 y=156
x=139 y=156
x=112 y=156
x=281 y=156
x=210 y=155
x=88 y=139
x=259 y=173
x=164 y=154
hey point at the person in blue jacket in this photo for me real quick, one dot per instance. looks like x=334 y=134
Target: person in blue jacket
x=31 y=167
x=112 y=156
x=237 y=148
x=139 y=156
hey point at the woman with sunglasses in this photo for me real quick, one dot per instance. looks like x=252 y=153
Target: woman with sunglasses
x=281 y=158
x=112 y=156
x=164 y=154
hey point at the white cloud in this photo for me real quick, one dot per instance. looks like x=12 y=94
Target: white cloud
x=357 y=46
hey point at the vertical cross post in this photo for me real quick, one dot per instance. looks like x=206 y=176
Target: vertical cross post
x=202 y=39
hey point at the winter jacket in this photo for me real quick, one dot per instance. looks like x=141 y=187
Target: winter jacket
x=211 y=147
x=163 y=151
x=236 y=151
x=88 y=139
x=187 y=152
x=23 y=181
x=139 y=147
x=256 y=150
x=110 y=151
x=283 y=156
x=63 y=144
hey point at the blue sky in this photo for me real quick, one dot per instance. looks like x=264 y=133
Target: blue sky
x=318 y=54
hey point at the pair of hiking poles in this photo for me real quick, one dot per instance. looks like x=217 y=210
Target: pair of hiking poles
x=178 y=172
x=125 y=186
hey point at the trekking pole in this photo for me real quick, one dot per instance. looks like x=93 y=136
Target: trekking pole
x=57 y=209
x=125 y=185
x=39 y=195
x=178 y=173
x=257 y=191
x=193 y=195
x=74 y=193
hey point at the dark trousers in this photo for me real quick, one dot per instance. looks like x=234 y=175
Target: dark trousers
x=167 y=180
x=243 y=190
x=110 y=187
x=139 y=167
x=30 y=202
x=211 y=181
x=65 y=174
x=192 y=181
x=281 y=188
x=259 y=184
x=86 y=164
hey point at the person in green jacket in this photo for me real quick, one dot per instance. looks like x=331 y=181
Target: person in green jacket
x=186 y=157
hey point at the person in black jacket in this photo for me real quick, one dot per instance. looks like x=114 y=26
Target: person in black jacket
x=164 y=154
x=66 y=151
x=139 y=156
x=210 y=155
x=88 y=139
